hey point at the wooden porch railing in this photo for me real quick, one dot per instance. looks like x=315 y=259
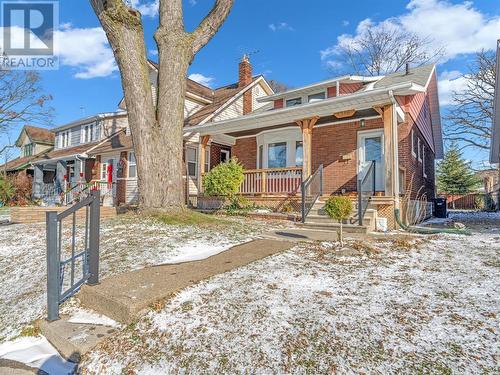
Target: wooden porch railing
x=272 y=181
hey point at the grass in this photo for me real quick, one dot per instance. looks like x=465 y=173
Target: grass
x=190 y=217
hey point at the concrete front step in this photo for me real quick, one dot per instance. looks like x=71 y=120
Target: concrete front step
x=126 y=297
x=327 y=219
x=348 y=228
x=73 y=340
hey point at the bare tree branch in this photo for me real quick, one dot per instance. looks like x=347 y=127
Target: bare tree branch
x=211 y=24
x=469 y=121
x=382 y=49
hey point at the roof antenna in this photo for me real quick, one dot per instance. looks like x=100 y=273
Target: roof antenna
x=246 y=55
x=407 y=68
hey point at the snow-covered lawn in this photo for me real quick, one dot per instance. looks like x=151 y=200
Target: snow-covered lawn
x=126 y=243
x=390 y=305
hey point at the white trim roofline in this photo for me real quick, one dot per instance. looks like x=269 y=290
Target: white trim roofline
x=89 y=119
x=318 y=86
x=326 y=107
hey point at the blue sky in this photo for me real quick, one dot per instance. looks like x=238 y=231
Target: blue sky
x=288 y=37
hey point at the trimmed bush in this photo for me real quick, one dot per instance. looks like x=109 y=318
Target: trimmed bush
x=224 y=180
x=7 y=191
x=339 y=208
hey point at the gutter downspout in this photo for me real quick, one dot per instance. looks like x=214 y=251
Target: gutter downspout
x=395 y=151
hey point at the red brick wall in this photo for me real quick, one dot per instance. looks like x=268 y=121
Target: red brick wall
x=215 y=151
x=414 y=176
x=245 y=150
x=279 y=103
x=331 y=92
x=349 y=88
x=329 y=143
x=247 y=102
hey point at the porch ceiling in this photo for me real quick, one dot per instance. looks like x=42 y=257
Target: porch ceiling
x=323 y=120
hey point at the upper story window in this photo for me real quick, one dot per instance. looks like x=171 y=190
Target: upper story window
x=293 y=102
x=132 y=165
x=28 y=149
x=89 y=133
x=423 y=161
x=419 y=152
x=64 y=139
x=316 y=97
x=413 y=144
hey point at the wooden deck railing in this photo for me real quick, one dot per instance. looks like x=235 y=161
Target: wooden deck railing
x=272 y=181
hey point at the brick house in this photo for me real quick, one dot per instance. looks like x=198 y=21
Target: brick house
x=383 y=132
x=97 y=151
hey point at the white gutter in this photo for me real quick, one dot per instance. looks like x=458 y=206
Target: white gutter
x=258 y=120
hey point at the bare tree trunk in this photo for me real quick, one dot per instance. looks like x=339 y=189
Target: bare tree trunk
x=157 y=131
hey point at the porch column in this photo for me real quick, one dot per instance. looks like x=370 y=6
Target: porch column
x=201 y=165
x=391 y=152
x=61 y=171
x=37 y=181
x=306 y=125
x=78 y=169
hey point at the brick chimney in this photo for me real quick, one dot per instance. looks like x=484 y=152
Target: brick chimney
x=244 y=72
x=244 y=79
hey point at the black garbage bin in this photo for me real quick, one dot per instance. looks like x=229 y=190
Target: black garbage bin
x=440 y=208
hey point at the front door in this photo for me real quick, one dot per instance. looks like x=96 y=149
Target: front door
x=371 y=148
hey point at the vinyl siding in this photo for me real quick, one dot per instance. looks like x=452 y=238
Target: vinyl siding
x=191 y=107
x=131 y=191
x=257 y=92
x=232 y=111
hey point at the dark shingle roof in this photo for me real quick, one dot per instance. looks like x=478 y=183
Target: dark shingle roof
x=23 y=162
x=120 y=141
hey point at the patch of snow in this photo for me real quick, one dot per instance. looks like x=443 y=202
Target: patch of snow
x=193 y=250
x=38 y=353
x=83 y=316
x=419 y=304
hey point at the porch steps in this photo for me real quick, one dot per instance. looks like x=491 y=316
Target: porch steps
x=318 y=219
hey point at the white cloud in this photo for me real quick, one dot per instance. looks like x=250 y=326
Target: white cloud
x=448 y=83
x=281 y=26
x=153 y=52
x=459 y=28
x=193 y=2
x=200 y=78
x=85 y=49
x=147 y=8
x=345 y=23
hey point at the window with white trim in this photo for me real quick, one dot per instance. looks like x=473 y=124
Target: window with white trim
x=419 y=151
x=207 y=160
x=28 y=149
x=413 y=144
x=64 y=139
x=132 y=165
x=191 y=160
x=104 y=171
x=89 y=133
x=423 y=161
x=293 y=102
x=316 y=97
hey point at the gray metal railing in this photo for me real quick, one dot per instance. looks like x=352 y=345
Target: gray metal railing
x=366 y=189
x=88 y=255
x=311 y=189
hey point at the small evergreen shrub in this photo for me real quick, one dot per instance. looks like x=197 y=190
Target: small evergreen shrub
x=224 y=180
x=339 y=208
x=7 y=191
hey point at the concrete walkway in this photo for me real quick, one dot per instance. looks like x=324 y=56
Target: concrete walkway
x=125 y=297
x=310 y=235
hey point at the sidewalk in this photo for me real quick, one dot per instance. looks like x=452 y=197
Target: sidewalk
x=125 y=297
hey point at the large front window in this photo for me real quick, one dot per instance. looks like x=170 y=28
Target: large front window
x=276 y=155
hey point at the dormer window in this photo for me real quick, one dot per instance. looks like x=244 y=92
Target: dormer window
x=293 y=102
x=64 y=140
x=316 y=97
x=28 y=149
x=89 y=133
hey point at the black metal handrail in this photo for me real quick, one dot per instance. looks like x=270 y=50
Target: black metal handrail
x=366 y=190
x=313 y=182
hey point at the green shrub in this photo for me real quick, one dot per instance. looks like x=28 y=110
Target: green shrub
x=224 y=180
x=7 y=191
x=339 y=208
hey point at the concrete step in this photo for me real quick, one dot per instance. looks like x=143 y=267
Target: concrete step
x=126 y=297
x=73 y=340
x=327 y=219
x=348 y=228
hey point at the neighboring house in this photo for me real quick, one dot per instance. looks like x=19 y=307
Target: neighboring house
x=342 y=124
x=99 y=149
x=33 y=143
x=495 y=134
x=490 y=180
